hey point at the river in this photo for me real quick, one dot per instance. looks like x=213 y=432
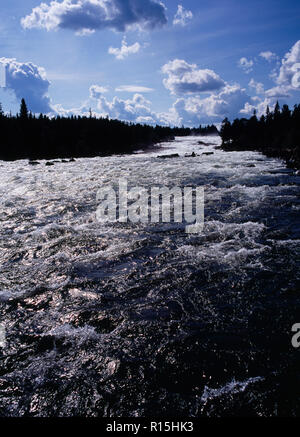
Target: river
x=123 y=319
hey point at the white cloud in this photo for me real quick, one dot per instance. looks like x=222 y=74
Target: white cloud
x=246 y=64
x=136 y=109
x=28 y=81
x=278 y=92
x=268 y=56
x=86 y=16
x=258 y=86
x=182 y=16
x=184 y=78
x=289 y=74
x=190 y=111
x=83 y=110
x=260 y=107
x=227 y=103
x=85 y=32
x=125 y=50
x=287 y=79
x=268 y=98
x=133 y=89
x=96 y=91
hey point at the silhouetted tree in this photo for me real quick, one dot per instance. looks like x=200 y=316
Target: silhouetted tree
x=23 y=110
x=277 y=110
x=276 y=134
x=28 y=136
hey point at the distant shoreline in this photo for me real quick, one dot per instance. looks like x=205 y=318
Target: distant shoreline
x=26 y=136
x=276 y=134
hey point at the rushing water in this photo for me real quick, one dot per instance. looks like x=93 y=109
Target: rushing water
x=146 y=320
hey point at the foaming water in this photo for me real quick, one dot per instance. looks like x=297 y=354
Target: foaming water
x=146 y=320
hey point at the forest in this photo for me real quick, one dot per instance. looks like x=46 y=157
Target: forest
x=26 y=136
x=276 y=134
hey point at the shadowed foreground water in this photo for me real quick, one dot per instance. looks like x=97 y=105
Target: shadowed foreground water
x=144 y=320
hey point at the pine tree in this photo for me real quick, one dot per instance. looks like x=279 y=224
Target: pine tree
x=225 y=130
x=277 y=110
x=23 y=110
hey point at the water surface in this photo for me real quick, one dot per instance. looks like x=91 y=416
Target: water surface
x=144 y=320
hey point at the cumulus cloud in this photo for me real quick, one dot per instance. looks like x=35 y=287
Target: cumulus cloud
x=190 y=111
x=125 y=50
x=289 y=74
x=28 y=81
x=246 y=64
x=258 y=86
x=133 y=89
x=227 y=103
x=182 y=16
x=260 y=106
x=268 y=56
x=83 y=110
x=278 y=92
x=260 y=103
x=286 y=78
x=96 y=91
x=86 y=16
x=183 y=78
x=137 y=109
x=267 y=99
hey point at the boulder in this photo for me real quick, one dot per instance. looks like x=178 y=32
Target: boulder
x=175 y=155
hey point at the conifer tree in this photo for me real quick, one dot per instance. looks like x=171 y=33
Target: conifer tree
x=23 y=110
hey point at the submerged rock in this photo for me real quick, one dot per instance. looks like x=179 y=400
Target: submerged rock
x=193 y=155
x=202 y=143
x=174 y=155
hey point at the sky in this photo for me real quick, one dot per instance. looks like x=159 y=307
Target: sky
x=164 y=62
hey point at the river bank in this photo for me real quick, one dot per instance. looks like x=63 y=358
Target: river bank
x=290 y=155
x=275 y=134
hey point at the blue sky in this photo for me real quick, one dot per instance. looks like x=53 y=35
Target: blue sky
x=169 y=62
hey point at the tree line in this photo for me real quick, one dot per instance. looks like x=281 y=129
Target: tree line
x=27 y=136
x=276 y=134
x=201 y=130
